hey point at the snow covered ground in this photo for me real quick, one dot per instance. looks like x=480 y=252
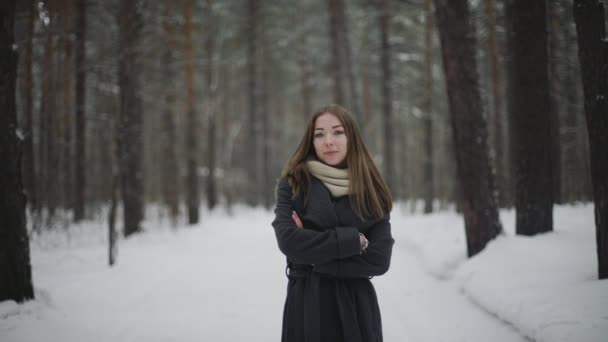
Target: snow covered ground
x=224 y=281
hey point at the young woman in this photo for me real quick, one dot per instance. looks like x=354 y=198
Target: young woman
x=332 y=223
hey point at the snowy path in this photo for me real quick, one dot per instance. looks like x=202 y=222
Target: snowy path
x=418 y=307
x=221 y=281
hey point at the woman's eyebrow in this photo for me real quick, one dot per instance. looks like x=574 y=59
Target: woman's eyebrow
x=321 y=128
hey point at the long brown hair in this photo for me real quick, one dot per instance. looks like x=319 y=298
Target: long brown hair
x=369 y=194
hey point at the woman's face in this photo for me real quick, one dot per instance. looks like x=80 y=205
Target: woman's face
x=330 y=140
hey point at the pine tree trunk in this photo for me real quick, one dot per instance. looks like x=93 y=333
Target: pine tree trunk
x=354 y=102
x=387 y=111
x=554 y=106
x=429 y=193
x=593 y=56
x=501 y=160
x=68 y=115
x=531 y=120
x=130 y=131
x=49 y=185
x=211 y=33
x=252 y=94
x=336 y=10
x=170 y=166
x=192 y=150
x=29 y=164
x=476 y=181
x=80 y=142
x=15 y=269
x=265 y=121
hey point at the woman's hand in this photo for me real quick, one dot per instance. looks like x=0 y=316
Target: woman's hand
x=296 y=219
x=364 y=242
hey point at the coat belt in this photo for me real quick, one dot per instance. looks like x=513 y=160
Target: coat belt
x=312 y=309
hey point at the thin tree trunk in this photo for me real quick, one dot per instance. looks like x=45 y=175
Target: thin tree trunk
x=335 y=8
x=354 y=103
x=554 y=106
x=210 y=38
x=68 y=68
x=48 y=154
x=593 y=56
x=252 y=93
x=531 y=139
x=429 y=194
x=15 y=269
x=266 y=122
x=192 y=150
x=81 y=142
x=476 y=181
x=501 y=160
x=387 y=112
x=170 y=166
x=29 y=164
x=130 y=130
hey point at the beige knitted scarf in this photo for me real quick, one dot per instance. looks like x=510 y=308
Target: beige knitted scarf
x=336 y=180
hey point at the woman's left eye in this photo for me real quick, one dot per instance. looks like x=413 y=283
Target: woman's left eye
x=339 y=132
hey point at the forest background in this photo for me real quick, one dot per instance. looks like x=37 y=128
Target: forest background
x=478 y=104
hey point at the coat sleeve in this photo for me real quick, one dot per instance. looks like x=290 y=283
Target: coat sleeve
x=374 y=261
x=307 y=246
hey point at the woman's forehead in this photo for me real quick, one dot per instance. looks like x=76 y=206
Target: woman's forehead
x=327 y=120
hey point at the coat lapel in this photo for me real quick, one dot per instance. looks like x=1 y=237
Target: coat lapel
x=319 y=209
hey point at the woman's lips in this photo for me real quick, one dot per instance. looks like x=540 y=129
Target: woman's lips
x=330 y=153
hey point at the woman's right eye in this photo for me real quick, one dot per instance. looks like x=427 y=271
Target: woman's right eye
x=318 y=135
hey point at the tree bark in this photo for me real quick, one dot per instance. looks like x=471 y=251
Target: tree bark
x=192 y=150
x=354 y=102
x=67 y=156
x=336 y=14
x=554 y=105
x=15 y=269
x=501 y=160
x=48 y=150
x=170 y=166
x=210 y=39
x=531 y=138
x=429 y=193
x=387 y=100
x=476 y=181
x=130 y=130
x=29 y=164
x=80 y=184
x=252 y=93
x=593 y=57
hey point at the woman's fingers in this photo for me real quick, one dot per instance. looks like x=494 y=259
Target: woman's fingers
x=296 y=219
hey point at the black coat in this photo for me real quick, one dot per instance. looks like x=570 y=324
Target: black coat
x=329 y=293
